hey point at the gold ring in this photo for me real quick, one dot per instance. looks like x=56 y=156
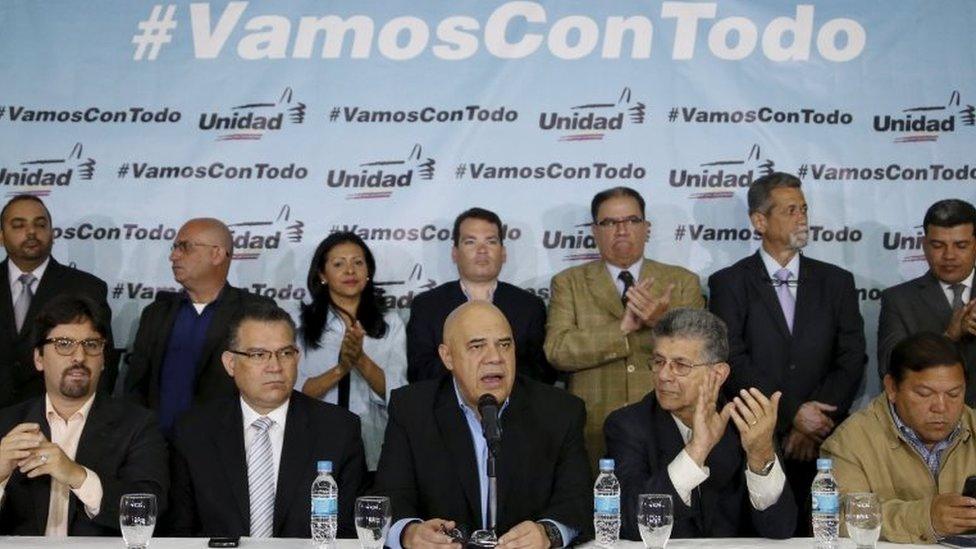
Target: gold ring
x=43 y=458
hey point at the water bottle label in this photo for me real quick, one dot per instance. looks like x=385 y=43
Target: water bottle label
x=825 y=503
x=608 y=505
x=325 y=506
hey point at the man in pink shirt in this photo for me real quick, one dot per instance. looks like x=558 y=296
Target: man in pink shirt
x=67 y=457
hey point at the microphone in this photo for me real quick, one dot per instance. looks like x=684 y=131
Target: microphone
x=488 y=408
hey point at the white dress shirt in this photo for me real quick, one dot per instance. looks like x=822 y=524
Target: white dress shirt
x=276 y=432
x=615 y=271
x=13 y=276
x=686 y=475
x=388 y=352
x=967 y=292
x=772 y=266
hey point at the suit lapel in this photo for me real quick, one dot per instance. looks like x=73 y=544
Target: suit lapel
x=94 y=443
x=47 y=288
x=762 y=286
x=457 y=438
x=6 y=300
x=933 y=298
x=229 y=441
x=516 y=444
x=808 y=295
x=295 y=461
x=40 y=488
x=158 y=352
x=603 y=289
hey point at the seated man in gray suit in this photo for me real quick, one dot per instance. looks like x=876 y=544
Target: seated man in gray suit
x=941 y=300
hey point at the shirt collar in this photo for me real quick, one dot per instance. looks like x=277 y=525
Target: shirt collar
x=968 y=282
x=185 y=295
x=467 y=409
x=633 y=269
x=491 y=292
x=50 y=413
x=683 y=429
x=772 y=266
x=277 y=415
x=14 y=271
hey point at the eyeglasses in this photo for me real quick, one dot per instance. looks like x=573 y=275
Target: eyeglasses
x=262 y=357
x=186 y=246
x=679 y=367
x=65 y=346
x=630 y=222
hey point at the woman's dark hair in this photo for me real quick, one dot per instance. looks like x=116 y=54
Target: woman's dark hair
x=314 y=316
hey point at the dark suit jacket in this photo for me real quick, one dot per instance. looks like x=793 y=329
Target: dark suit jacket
x=149 y=348
x=121 y=443
x=428 y=467
x=210 y=488
x=920 y=305
x=643 y=440
x=425 y=330
x=19 y=380
x=823 y=359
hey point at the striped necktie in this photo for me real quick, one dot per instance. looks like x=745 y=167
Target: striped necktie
x=261 y=479
x=23 y=300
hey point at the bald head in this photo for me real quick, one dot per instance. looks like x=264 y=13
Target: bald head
x=201 y=255
x=479 y=350
x=214 y=230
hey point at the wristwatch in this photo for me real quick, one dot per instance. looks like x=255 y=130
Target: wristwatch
x=552 y=532
x=766 y=468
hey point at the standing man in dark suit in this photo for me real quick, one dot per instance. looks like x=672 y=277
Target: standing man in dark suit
x=479 y=253
x=67 y=458
x=433 y=465
x=29 y=278
x=243 y=466
x=794 y=326
x=175 y=360
x=724 y=481
x=941 y=300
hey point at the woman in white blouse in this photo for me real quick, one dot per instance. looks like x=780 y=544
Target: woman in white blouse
x=355 y=352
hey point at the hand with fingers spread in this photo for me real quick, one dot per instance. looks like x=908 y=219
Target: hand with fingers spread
x=754 y=416
x=644 y=306
x=525 y=535
x=708 y=424
x=430 y=534
x=18 y=446
x=812 y=420
x=963 y=322
x=953 y=514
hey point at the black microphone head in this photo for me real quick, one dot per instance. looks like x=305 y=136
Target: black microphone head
x=487 y=399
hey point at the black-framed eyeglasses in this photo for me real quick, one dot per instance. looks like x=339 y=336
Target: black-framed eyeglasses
x=611 y=222
x=261 y=357
x=65 y=346
x=679 y=367
x=186 y=246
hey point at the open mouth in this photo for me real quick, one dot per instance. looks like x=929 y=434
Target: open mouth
x=492 y=380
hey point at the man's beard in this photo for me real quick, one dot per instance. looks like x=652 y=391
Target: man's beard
x=75 y=390
x=799 y=238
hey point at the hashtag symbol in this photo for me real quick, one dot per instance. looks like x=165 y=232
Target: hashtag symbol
x=3 y=110
x=334 y=115
x=679 y=232
x=123 y=170
x=460 y=171
x=673 y=115
x=156 y=31
x=117 y=290
x=802 y=172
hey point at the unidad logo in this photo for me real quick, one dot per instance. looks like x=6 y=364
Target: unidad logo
x=379 y=178
x=925 y=123
x=251 y=238
x=591 y=121
x=41 y=175
x=250 y=121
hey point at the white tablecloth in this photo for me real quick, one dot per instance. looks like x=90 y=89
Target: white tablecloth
x=246 y=543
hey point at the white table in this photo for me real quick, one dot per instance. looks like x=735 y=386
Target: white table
x=246 y=543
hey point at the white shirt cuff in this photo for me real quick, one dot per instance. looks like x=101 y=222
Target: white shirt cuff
x=90 y=493
x=764 y=491
x=686 y=475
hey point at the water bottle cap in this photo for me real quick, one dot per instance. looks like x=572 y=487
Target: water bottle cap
x=825 y=463
x=606 y=464
x=325 y=466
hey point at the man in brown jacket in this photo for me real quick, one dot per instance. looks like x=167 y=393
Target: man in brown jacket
x=913 y=445
x=601 y=312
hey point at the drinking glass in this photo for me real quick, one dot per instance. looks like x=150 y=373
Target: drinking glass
x=137 y=519
x=655 y=516
x=862 y=514
x=373 y=519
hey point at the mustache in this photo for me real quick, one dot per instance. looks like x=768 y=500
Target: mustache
x=76 y=367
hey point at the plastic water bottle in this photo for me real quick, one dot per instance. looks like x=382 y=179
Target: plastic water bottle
x=325 y=506
x=826 y=505
x=606 y=505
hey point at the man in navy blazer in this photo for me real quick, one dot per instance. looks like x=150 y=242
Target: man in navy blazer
x=479 y=253
x=794 y=326
x=217 y=462
x=724 y=480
